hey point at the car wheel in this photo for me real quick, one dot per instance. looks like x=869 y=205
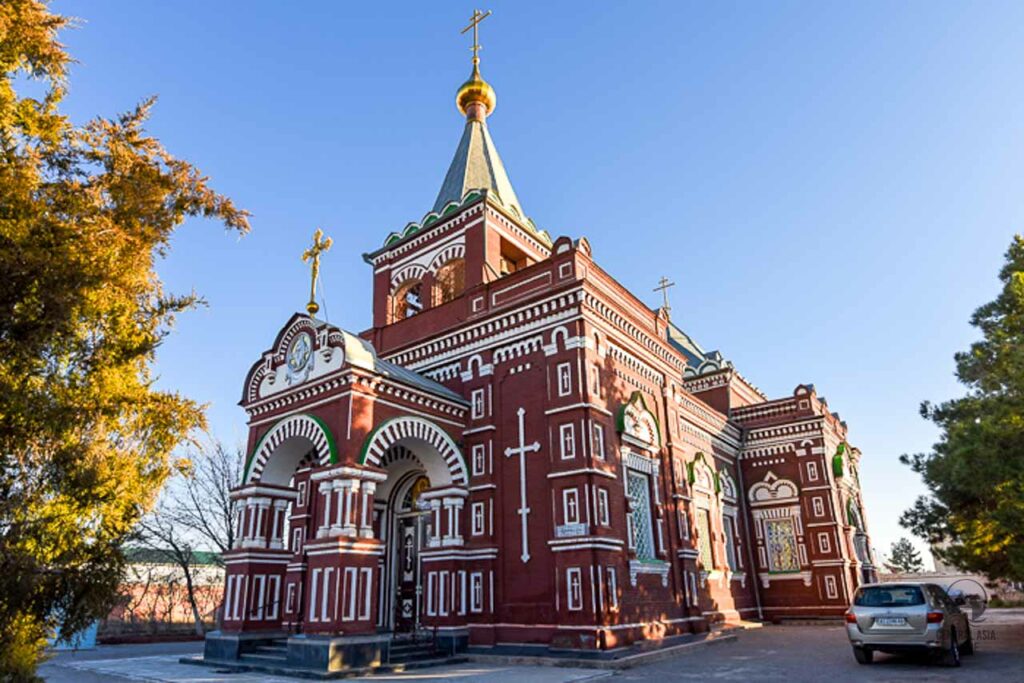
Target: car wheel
x=968 y=647
x=951 y=657
x=863 y=655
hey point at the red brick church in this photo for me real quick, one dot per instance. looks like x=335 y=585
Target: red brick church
x=521 y=453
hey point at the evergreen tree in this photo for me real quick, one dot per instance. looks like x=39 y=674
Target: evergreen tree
x=976 y=470
x=904 y=558
x=85 y=439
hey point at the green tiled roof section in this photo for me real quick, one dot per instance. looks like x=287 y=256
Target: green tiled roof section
x=165 y=556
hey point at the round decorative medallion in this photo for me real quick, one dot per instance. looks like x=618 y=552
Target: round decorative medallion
x=299 y=352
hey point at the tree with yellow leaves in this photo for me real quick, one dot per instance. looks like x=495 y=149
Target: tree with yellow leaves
x=85 y=439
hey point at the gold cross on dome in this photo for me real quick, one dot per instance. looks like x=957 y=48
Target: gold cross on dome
x=320 y=245
x=474 y=23
x=663 y=286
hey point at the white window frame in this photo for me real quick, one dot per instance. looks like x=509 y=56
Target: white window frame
x=479 y=459
x=574 y=589
x=831 y=588
x=366 y=579
x=567 y=430
x=812 y=471
x=431 y=590
x=301 y=502
x=595 y=381
x=442 y=585
x=477 y=519
x=571 y=504
x=731 y=532
x=289 y=603
x=259 y=597
x=613 y=588
x=819 y=506
x=684 y=525
x=274 y=593
x=476 y=592
x=563 y=374
x=603 y=509
x=825 y=542
x=637 y=508
x=326 y=595
x=476 y=400
x=704 y=513
x=313 y=581
x=597 y=437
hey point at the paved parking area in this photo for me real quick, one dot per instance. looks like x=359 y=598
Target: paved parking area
x=159 y=663
x=811 y=654
x=789 y=654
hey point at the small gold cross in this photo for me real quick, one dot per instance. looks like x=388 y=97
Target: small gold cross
x=320 y=246
x=663 y=285
x=474 y=23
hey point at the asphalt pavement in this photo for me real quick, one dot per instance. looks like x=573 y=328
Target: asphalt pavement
x=793 y=654
x=811 y=654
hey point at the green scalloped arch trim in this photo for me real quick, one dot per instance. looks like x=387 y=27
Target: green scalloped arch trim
x=364 y=449
x=620 y=414
x=332 y=446
x=429 y=219
x=366 y=443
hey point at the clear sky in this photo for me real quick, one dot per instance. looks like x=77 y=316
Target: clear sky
x=831 y=184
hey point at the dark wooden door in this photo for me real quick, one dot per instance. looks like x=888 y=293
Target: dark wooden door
x=406 y=599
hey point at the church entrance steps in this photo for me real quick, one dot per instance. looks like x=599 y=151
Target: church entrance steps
x=253 y=664
x=379 y=654
x=411 y=651
x=645 y=652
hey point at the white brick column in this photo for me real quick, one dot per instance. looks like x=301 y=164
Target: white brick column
x=351 y=493
x=327 y=491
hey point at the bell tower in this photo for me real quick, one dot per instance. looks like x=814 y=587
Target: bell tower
x=476 y=232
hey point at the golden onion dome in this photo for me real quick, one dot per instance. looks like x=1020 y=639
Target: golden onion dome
x=475 y=91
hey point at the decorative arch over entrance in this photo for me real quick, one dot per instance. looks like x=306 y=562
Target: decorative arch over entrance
x=288 y=441
x=408 y=431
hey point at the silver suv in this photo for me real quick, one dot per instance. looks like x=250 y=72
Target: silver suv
x=907 y=617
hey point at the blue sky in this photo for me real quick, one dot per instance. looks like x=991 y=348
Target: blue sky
x=832 y=185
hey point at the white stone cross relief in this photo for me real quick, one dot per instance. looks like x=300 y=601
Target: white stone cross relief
x=522 y=450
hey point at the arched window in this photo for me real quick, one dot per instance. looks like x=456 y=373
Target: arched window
x=407 y=300
x=450 y=281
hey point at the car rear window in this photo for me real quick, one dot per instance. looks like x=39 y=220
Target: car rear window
x=889 y=596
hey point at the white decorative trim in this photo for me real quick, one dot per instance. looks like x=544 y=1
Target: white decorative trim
x=301 y=426
x=768 y=577
x=396 y=429
x=521 y=450
x=649 y=567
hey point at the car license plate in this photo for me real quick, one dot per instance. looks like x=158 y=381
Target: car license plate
x=891 y=621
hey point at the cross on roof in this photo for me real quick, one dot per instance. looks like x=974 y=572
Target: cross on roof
x=320 y=245
x=663 y=287
x=474 y=23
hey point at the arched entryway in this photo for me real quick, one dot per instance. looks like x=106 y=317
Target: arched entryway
x=279 y=452
x=418 y=507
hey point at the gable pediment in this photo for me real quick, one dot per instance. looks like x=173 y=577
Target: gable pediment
x=637 y=423
x=304 y=350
